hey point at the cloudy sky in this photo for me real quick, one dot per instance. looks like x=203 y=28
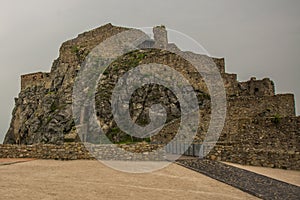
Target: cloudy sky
x=257 y=38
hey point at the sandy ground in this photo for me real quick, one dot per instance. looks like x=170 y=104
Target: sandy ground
x=49 y=179
x=288 y=176
x=8 y=161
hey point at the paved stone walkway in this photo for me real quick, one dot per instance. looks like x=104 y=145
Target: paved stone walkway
x=250 y=182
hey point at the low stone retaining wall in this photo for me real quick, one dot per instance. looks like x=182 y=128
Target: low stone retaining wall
x=148 y=152
x=131 y=152
x=256 y=157
x=70 y=151
x=74 y=151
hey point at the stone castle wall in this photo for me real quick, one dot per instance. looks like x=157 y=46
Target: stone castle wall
x=255 y=87
x=35 y=79
x=282 y=105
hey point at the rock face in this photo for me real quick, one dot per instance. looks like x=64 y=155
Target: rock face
x=43 y=111
x=256 y=116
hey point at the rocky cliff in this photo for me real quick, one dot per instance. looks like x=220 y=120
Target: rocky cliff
x=43 y=111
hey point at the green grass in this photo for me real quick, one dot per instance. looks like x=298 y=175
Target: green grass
x=276 y=119
x=75 y=49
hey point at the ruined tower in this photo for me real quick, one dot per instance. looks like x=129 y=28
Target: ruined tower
x=160 y=37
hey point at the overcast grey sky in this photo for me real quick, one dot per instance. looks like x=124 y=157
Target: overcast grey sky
x=257 y=38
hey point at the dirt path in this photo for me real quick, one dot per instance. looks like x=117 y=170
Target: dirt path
x=49 y=179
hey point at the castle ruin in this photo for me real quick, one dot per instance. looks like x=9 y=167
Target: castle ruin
x=261 y=126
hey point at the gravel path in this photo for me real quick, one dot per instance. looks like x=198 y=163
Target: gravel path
x=288 y=176
x=250 y=182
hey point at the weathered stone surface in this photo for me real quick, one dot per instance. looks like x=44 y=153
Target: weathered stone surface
x=74 y=151
x=260 y=125
x=43 y=110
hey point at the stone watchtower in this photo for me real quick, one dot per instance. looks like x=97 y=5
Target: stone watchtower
x=160 y=37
